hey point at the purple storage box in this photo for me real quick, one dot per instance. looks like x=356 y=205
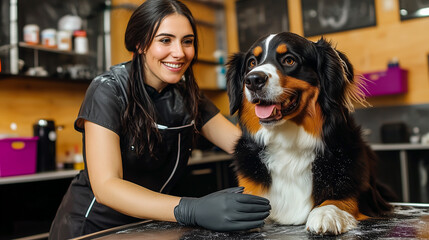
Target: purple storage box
x=18 y=156
x=391 y=81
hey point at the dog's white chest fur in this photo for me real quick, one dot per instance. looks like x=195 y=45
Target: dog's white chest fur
x=289 y=155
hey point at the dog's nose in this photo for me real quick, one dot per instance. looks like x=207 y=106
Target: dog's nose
x=255 y=81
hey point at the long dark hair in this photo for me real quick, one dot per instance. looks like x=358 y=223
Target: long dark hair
x=139 y=118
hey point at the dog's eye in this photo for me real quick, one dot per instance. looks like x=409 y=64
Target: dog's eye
x=251 y=63
x=289 y=61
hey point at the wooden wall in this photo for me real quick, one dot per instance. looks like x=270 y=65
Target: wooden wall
x=24 y=101
x=370 y=49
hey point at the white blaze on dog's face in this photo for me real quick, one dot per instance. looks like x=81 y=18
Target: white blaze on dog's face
x=281 y=84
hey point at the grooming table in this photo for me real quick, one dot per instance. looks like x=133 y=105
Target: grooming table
x=408 y=221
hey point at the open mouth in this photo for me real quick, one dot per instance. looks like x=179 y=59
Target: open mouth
x=269 y=112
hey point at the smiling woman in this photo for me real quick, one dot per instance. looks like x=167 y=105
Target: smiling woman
x=138 y=122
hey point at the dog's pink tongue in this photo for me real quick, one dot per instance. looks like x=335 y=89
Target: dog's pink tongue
x=264 y=111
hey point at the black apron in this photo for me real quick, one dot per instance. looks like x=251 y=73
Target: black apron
x=79 y=212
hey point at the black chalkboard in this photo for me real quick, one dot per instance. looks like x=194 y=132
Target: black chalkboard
x=328 y=16
x=256 y=18
x=410 y=9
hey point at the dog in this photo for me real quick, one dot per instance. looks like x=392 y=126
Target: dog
x=301 y=147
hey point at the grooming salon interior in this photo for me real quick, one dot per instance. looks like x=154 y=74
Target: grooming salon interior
x=50 y=50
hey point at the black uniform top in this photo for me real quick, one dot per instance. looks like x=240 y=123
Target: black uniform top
x=104 y=103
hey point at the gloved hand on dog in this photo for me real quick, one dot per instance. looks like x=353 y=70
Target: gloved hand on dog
x=225 y=210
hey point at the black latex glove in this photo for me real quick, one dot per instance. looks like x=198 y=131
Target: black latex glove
x=225 y=210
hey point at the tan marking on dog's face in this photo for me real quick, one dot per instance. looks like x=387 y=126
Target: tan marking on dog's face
x=349 y=205
x=251 y=187
x=308 y=114
x=257 y=51
x=282 y=48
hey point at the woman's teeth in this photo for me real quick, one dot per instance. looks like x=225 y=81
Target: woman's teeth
x=172 y=65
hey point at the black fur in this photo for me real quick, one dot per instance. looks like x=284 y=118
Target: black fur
x=248 y=162
x=235 y=76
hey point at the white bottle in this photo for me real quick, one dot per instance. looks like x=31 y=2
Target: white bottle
x=415 y=136
x=80 y=42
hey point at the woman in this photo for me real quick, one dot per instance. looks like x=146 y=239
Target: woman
x=138 y=121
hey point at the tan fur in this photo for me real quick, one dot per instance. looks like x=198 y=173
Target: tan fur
x=349 y=205
x=250 y=187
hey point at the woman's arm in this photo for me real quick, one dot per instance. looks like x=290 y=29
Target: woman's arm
x=224 y=210
x=104 y=163
x=221 y=132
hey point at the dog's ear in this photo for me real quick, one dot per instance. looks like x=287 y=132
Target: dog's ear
x=234 y=77
x=337 y=78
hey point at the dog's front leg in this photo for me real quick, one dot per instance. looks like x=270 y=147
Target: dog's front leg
x=334 y=217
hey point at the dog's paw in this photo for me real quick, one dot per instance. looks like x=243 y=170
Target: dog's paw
x=330 y=219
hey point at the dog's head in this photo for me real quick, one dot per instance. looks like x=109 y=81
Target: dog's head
x=285 y=77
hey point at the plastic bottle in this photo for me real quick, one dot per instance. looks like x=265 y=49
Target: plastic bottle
x=220 y=69
x=415 y=136
x=80 y=42
x=78 y=163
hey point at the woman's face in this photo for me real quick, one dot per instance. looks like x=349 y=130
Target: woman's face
x=170 y=53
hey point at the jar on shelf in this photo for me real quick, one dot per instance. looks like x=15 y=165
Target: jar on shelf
x=49 y=38
x=31 y=34
x=80 y=42
x=64 y=40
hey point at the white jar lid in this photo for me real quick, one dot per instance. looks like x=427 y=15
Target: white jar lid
x=49 y=31
x=31 y=27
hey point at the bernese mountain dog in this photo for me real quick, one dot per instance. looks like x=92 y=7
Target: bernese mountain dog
x=301 y=147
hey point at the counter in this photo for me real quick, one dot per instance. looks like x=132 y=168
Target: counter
x=43 y=176
x=404 y=152
x=407 y=221
x=206 y=157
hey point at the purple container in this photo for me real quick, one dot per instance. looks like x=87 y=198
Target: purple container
x=392 y=81
x=18 y=156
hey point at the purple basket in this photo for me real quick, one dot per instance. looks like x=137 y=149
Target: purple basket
x=18 y=156
x=392 y=81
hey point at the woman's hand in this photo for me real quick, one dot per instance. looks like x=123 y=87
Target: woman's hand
x=226 y=210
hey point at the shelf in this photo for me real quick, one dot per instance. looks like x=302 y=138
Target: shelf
x=399 y=146
x=213 y=89
x=43 y=78
x=54 y=50
x=44 y=176
x=207 y=61
x=209 y=157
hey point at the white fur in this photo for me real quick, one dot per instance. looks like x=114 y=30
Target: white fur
x=267 y=43
x=289 y=154
x=330 y=219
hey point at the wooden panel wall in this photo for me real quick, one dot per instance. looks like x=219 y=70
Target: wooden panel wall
x=24 y=101
x=370 y=49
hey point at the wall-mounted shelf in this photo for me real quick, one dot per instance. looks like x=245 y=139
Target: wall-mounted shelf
x=41 y=61
x=54 y=50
